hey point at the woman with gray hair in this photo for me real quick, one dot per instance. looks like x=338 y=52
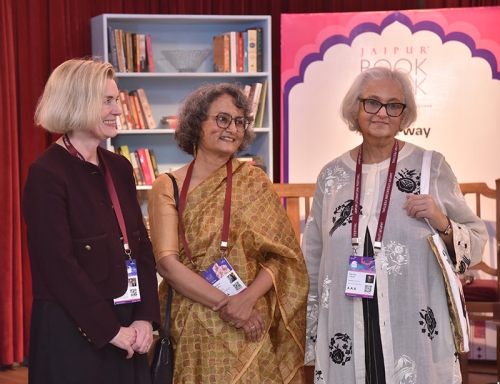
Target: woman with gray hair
x=229 y=252
x=367 y=217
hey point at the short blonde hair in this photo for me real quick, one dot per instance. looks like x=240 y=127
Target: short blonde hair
x=73 y=96
x=350 y=104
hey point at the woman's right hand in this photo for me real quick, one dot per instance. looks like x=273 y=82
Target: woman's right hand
x=124 y=340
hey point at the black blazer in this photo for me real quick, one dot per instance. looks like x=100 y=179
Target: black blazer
x=76 y=253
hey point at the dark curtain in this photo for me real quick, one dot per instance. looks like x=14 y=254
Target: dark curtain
x=38 y=35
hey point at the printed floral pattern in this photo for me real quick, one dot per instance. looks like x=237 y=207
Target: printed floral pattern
x=405 y=371
x=394 y=258
x=408 y=181
x=429 y=322
x=343 y=215
x=340 y=348
x=220 y=270
x=335 y=179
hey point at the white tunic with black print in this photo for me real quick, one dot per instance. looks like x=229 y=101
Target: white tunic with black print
x=415 y=329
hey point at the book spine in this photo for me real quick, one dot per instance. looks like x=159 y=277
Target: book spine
x=154 y=163
x=233 y=43
x=142 y=53
x=136 y=55
x=133 y=111
x=136 y=165
x=124 y=151
x=113 y=56
x=245 y=51
x=143 y=160
x=252 y=50
x=129 y=53
x=150 y=122
x=150 y=165
x=260 y=50
x=126 y=109
x=138 y=108
x=240 y=60
x=259 y=118
x=149 y=49
x=218 y=48
x=119 y=50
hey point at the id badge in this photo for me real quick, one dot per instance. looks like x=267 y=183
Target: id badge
x=132 y=294
x=361 y=276
x=223 y=277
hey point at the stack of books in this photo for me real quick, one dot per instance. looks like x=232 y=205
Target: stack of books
x=130 y=52
x=239 y=51
x=136 y=111
x=257 y=92
x=143 y=162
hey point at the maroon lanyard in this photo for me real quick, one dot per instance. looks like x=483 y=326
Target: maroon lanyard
x=112 y=193
x=385 y=202
x=227 y=210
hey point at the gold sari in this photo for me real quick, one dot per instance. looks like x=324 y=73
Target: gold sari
x=260 y=236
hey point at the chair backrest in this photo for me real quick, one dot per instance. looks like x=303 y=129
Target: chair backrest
x=292 y=194
x=478 y=190
x=481 y=190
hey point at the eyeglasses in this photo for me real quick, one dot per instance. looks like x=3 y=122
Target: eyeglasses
x=224 y=120
x=373 y=106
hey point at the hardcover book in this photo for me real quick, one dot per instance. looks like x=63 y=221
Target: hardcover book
x=221 y=53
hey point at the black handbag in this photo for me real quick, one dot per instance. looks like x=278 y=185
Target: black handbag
x=162 y=365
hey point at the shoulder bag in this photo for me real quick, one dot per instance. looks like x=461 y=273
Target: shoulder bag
x=459 y=318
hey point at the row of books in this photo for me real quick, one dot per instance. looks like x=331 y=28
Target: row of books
x=239 y=51
x=257 y=92
x=143 y=162
x=136 y=111
x=130 y=52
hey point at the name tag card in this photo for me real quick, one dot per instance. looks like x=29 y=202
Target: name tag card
x=223 y=277
x=132 y=294
x=361 y=276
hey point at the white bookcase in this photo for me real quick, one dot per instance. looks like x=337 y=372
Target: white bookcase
x=166 y=88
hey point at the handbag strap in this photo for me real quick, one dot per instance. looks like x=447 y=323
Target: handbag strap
x=425 y=180
x=169 y=296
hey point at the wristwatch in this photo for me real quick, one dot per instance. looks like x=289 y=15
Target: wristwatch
x=447 y=231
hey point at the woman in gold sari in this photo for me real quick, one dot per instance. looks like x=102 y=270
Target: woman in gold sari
x=255 y=335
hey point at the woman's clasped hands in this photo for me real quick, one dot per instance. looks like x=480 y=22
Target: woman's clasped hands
x=239 y=312
x=136 y=338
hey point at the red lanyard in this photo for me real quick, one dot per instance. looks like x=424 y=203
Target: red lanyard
x=385 y=202
x=112 y=193
x=227 y=210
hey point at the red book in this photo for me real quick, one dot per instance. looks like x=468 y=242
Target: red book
x=141 y=153
x=241 y=53
x=149 y=52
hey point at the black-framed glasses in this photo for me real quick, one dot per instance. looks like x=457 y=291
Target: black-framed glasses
x=373 y=106
x=224 y=120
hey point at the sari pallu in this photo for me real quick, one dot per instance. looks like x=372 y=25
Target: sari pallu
x=260 y=236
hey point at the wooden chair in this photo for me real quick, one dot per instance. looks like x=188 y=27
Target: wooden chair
x=291 y=195
x=482 y=295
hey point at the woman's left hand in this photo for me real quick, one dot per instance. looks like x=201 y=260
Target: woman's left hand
x=144 y=338
x=424 y=206
x=235 y=310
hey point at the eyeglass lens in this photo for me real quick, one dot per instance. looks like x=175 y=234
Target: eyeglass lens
x=224 y=120
x=373 y=106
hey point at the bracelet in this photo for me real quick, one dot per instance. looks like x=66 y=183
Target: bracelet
x=447 y=231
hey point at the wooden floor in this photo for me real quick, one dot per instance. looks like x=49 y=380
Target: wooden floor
x=479 y=373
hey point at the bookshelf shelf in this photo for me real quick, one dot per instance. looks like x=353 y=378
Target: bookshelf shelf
x=165 y=88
